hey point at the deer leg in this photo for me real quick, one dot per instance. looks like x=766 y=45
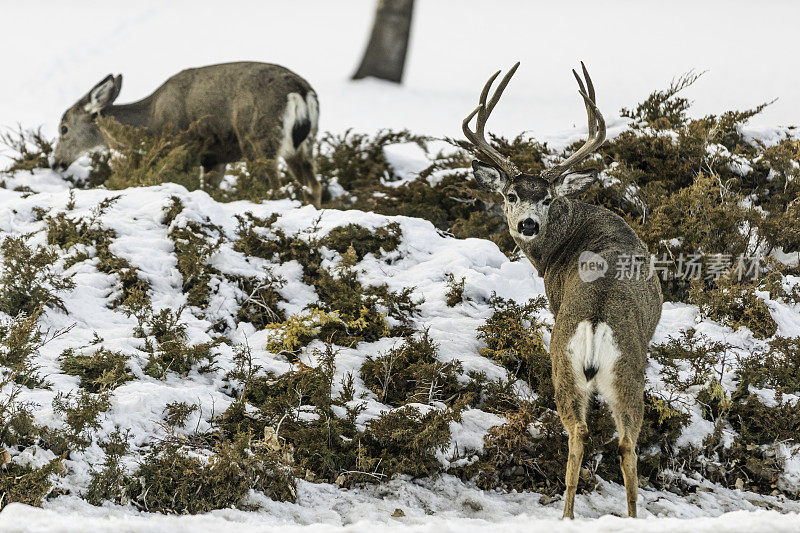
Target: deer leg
x=261 y=159
x=577 y=438
x=571 y=404
x=211 y=175
x=628 y=418
x=302 y=168
x=627 y=461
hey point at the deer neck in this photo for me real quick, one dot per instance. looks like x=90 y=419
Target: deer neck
x=136 y=114
x=555 y=246
x=555 y=256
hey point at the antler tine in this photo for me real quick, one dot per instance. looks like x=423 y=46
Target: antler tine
x=500 y=88
x=592 y=121
x=486 y=87
x=478 y=137
x=588 y=82
x=597 y=129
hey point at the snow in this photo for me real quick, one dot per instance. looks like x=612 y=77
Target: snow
x=423 y=260
x=59 y=52
x=407 y=161
x=444 y=504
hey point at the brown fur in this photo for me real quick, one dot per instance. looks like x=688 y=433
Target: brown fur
x=240 y=105
x=630 y=307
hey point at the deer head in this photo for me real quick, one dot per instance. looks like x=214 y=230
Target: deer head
x=78 y=131
x=532 y=202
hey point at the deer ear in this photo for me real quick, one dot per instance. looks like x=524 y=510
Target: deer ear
x=102 y=95
x=489 y=177
x=575 y=183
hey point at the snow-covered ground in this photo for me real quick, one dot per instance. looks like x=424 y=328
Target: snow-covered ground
x=457 y=509
x=54 y=52
x=423 y=260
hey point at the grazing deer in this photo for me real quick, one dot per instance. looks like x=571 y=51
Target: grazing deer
x=603 y=325
x=248 y=110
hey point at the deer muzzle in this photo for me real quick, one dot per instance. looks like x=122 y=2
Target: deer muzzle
x=528 y=227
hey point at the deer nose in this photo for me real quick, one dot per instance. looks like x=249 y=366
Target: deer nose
x=528 y=227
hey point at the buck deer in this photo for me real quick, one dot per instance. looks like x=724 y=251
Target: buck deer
x=248 y=110
x=603 y=324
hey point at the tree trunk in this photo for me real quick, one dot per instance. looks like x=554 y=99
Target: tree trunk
x=385 y=56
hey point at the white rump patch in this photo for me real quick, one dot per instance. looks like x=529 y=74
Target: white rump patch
x=313 y=111
x=594 y=348
x=298 y=109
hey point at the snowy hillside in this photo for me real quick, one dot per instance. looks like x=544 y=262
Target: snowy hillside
x=178 y=354
x=141 y=224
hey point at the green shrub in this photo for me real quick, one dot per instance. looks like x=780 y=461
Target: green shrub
x=751 y=462
x=411 y=373
x=258 y=237
x=701 y=218
x=773 y=282
x=110 y=482
x=320 y=445
x=29 y=149
x=688 y=362
x=405 y=441
x=347 y=311
x=171 y=211
x=176 y=414
x=100 y=371
x=513 y=338
x=662 y=109
x=195 y=243
x=300 y=329
x=324 y=446
x=20 y=340
x=513 y=459
x=260 y=300
x=362 y=310
x=775 y=184
x=776 y=368
x=23 y=484
x=166 y=342
x=29 y=280
x=17 y=425
x=364 y=241
x=81 y=414
x=356 y=160
x=455 y=294
x=691 y=359
x=67 y=232
x=169 y=480
x=735 y=304
x=692 y=363
x=256 y=181
x=277 y=395
x=145 y=158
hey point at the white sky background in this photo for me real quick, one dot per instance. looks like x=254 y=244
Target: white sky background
x=51 y=53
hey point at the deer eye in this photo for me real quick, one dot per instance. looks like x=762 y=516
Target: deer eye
x=547 y=201
x=64 y=130
x=512 y=198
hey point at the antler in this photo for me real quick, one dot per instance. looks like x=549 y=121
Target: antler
x=478 y=137
x=597 y=130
